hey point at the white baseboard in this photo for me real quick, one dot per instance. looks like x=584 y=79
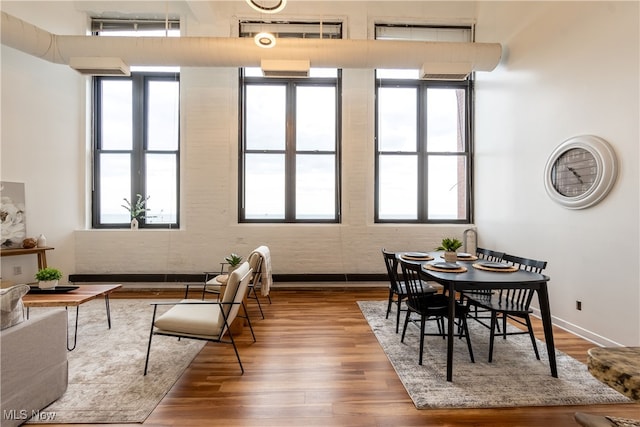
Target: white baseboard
x=580 y=332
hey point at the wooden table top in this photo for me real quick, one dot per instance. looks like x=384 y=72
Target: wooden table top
x=73 y=298
x=23 y=251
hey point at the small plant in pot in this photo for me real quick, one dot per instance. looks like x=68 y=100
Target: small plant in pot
x=48 y=277
x=233 y=260
x=136 y=210
x=450 y=246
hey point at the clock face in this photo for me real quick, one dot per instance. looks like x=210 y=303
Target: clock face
x=574 y=172
x=580 y=172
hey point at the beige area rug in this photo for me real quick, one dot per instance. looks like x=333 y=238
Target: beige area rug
x=106 y=382
x=514 y=378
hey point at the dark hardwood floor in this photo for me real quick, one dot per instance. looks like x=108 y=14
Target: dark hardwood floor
x=317 y=363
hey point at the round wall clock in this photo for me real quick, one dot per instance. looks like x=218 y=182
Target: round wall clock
x=580 y=172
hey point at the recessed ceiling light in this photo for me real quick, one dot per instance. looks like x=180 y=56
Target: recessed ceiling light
x=265 y=40
x=267 y=6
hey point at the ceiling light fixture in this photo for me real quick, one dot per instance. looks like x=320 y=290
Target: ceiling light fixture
x=262 y=8
x=265 y=40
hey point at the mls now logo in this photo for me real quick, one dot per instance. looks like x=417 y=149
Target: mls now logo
x=23 y=414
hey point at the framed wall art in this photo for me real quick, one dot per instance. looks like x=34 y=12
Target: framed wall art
x=13 y=214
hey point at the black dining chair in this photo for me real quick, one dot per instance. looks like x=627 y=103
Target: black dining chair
x=430 y=307
x=477 y=313
x=397 y=288
x=511 y=304
x=489 y=254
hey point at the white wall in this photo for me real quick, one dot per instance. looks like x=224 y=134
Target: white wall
x=42 y=142
x=570 y=69
x=519 y=219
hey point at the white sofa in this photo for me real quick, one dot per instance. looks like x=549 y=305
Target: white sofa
x=34 y=366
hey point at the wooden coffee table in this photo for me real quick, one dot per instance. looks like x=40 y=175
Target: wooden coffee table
x=72 y=298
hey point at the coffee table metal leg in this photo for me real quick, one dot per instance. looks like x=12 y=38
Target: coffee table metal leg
x=106 y=300
x=75 y=332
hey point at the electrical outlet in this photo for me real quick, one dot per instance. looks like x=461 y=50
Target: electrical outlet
x=578 y=305
x=17 y=270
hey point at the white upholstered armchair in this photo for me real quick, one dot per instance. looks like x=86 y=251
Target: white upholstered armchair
x=204 y=319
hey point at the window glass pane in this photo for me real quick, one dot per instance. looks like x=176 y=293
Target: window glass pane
x=447 y=187
x=161 y=189
x=252 y=72
x=446 y=120
x=397 y=119
x=141 y=33
x=300 y=30
x=144 y=28
x=323 y=72
x=265 y=117
x=315 y=186
x=115 y=185
x=315 y=118
x=264 y=186
x=313 y=72
x=116 y=129
x=417 y=33
x=398 y=187
x=163 y=115
x=397 y=74
x=423 y=33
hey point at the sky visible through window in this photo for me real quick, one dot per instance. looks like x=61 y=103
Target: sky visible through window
x=162 y=136
x=315 y=146
x=398 y=169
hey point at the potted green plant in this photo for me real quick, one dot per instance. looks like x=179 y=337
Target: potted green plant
x=450 y=246
x=233 y=260
x=136 y=210
x=48 y=277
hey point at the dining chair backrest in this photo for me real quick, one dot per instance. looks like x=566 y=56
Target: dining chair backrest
x=414 y=283
x=234 y=294
x=489 y=254
x=522 y=296
x=391 y=262
x=527 y=264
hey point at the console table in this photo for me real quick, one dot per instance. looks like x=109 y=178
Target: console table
x=40 y=252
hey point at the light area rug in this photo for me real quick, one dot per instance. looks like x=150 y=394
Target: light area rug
x=514 y=378
x=106 y=382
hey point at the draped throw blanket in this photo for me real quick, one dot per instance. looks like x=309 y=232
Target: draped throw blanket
x=266 y=279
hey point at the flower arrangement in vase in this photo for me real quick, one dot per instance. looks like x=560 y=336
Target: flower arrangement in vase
x=48 y=277
x=450 y=247
x=136 y=210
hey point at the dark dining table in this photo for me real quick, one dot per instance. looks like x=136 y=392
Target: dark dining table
x=477 y=279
